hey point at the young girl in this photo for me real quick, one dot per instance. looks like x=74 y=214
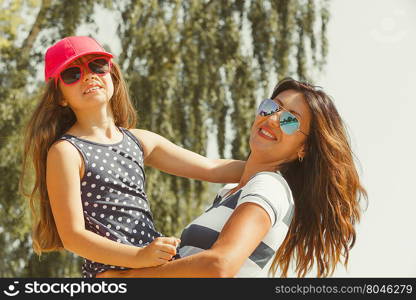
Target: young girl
x=89 y=195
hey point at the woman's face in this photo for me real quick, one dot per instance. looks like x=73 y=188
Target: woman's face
x=91 y=90
x=269 y=143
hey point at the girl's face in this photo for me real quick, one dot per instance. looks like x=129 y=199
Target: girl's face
x=91 y=90
x=269 y=143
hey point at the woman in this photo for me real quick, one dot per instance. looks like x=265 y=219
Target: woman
x=298 y=198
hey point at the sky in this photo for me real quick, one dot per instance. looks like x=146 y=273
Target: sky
x=371 y=75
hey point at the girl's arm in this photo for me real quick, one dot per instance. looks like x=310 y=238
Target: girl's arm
x=162 y=154
x=242 y=233
x=63 y=170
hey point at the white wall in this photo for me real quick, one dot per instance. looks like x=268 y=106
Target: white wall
x=371 y=74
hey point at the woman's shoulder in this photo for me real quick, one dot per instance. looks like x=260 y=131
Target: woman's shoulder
x=270 y=184
x=261 y=181
x=226 y=188
x=267 y=177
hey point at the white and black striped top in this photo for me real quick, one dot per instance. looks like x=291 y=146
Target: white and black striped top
x=267 y=189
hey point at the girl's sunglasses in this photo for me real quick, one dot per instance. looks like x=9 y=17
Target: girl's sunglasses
x=288 y=122
x=97 y=65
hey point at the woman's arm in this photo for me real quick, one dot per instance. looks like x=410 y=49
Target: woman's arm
x=63 y=181
x=242 y=233
x=162 y=154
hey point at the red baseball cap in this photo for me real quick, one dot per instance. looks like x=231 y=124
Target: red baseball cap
x=67 y=50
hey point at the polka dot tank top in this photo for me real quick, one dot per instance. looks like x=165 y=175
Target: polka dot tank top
x=113 y=197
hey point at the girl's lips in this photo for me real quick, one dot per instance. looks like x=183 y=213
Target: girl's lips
x=93 y=90
x=92 y=85
x=266 y=133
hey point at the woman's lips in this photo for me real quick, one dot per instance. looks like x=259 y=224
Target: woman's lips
x=266 y=133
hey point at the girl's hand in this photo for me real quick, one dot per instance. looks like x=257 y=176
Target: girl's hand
x=158 y=252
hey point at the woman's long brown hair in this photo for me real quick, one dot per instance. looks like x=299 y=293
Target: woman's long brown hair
x=326 y=190
x=49 y=122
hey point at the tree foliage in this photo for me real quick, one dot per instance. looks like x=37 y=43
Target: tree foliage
x=26 y=26
x=193 y=68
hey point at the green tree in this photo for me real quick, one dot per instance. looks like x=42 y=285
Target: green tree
x=192 y=67
x=199 y=66
x=25 y=26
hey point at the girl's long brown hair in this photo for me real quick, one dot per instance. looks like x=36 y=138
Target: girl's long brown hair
x=49 y=122
x=326 y=190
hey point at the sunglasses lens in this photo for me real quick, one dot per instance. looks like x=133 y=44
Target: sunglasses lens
x=71 y=75
x=288 y=122
x=267 y=107
x=99 y=66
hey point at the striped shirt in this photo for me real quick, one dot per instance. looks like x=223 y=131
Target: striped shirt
x=267 y=189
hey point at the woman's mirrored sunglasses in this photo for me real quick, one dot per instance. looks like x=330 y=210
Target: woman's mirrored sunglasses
x=97 y=65
x=288 y=122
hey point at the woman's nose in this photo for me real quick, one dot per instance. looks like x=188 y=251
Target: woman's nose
x=274 y=119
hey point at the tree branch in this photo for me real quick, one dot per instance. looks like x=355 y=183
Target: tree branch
x=34 y=32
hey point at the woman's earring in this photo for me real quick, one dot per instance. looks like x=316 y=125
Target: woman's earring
x=300 y=158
